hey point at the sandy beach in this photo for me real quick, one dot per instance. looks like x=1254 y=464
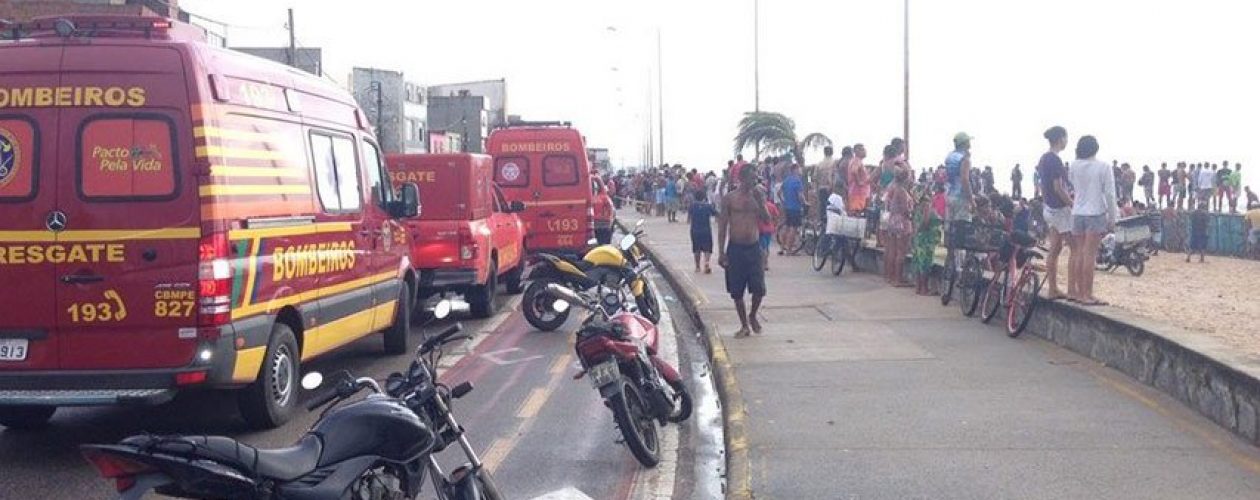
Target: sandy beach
x=1213 y=298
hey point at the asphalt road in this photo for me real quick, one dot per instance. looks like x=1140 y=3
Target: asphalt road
x=542 y=433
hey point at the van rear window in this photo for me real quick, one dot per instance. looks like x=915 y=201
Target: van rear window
x=511 y=171
x=127 y=158
x=19 y=158
x=560 y=171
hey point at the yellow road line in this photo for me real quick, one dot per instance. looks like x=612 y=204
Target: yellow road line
x=532 y=404
x=235 y=171
x=558 y=366
x=91 y=235
x=495 y=454
x=249 y=190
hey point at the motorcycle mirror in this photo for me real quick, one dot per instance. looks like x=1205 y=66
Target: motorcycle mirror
x=628 y=242
x=312 y=380
x=638 y=224
x=442 y=309
x=560 y=306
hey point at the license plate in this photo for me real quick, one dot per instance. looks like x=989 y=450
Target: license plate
x=604 y=373
x=15 y=349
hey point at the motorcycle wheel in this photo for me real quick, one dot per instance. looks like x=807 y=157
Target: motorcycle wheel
x=683 y=409
x=1136 y=265
x=649 y=305
x=537 y=306
x=637 y=426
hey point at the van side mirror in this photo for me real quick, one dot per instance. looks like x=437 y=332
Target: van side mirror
x=516 y=206
x=408 y=203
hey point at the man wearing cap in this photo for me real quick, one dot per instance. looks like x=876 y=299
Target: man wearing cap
x=958 y=192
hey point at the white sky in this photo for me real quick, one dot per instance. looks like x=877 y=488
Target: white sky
x=1154 y=80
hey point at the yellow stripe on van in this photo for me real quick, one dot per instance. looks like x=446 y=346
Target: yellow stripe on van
x=227 y=133
x=248 y=364
x=242 y=153
x=172 y=233
x=297 y=230
x=337 y=333
x=250 y=190
x=309 y=295
x=550 y=203
x=234 y=171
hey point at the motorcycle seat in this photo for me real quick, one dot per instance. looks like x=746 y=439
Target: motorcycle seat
x=283 y=464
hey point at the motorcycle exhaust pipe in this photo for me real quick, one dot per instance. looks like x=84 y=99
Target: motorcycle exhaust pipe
x=568 y=295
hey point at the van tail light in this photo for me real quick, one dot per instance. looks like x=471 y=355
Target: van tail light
x=467 y=245
x=122 y=470
x=214 y=277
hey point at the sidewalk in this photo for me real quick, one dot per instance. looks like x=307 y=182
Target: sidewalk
x=858 y=390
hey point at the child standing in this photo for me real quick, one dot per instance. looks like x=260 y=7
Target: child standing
x=699 y=214
x=1199 y=231
x=927 y=236
x=766 y=230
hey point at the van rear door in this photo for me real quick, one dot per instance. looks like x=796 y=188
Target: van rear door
x=28 y=197
x=447 y=210
x=126 y=290
x=558 y=201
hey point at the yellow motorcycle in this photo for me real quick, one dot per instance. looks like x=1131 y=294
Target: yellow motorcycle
x=622 y=265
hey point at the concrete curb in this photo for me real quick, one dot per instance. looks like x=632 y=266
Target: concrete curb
x=738 y=466
x=1201 y=373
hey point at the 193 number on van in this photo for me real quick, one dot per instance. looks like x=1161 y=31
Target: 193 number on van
x=111 y=308
x=556 y=225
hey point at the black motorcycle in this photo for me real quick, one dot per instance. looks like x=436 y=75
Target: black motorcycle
x=375 y=448
x=1132 y=255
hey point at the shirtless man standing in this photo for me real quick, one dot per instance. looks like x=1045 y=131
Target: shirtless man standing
x=741 y=211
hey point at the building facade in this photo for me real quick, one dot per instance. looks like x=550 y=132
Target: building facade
x=394 y=106
x=465 y=115
x=494 y=92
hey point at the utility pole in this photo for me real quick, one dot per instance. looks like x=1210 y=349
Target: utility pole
x=292 y=41
x=757 y=57
x=660 y=96
x=905 y=117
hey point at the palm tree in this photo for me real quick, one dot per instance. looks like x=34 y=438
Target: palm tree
x=775 y=134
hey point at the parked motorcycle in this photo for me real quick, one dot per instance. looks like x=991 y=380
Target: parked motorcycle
x=1132 y=255
x=374 y=448
x=618 y=266
x=617 y=349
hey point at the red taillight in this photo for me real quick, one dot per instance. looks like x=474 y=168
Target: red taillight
x=467 y=245
x=122 y=470
x=190 y=378
x=214 y=280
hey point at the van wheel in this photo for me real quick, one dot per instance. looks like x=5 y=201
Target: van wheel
x=398 y=335
x=482 y=297
x=26 y=417
x=269 y=401
x=513 y=280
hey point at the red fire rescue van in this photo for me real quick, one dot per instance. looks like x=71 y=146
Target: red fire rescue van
x=469 y=239
x=178 y=215
x=544 y=165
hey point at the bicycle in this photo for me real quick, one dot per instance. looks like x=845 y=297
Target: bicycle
x=1020 y=298
x=806 y=236
x=963 y=269
x=835 y=245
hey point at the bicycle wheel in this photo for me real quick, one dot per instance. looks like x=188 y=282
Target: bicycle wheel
x=839 y=254
x=1023 y=302
x=809 y=239
x=949 y=277
x=781 y=233
x=970 y=285
x=822 y=251
x=993 y=296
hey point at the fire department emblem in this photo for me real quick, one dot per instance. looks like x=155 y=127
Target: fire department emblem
x=511 y=172
x=9 y=156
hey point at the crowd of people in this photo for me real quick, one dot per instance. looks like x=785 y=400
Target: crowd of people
x=1073 y=205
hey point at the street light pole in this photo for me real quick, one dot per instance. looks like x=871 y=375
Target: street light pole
x=757 y=56
x=660 y=96
x=905 y=117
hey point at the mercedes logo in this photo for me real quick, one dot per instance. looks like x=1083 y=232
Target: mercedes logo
x=56 y=221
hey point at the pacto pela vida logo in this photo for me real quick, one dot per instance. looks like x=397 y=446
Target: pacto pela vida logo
x=9 y=155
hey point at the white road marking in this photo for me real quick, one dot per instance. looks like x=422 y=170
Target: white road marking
x=656 y=483
x=569 y=493
x=498 y=357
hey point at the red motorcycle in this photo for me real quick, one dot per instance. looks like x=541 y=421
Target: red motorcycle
x=617 y=349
